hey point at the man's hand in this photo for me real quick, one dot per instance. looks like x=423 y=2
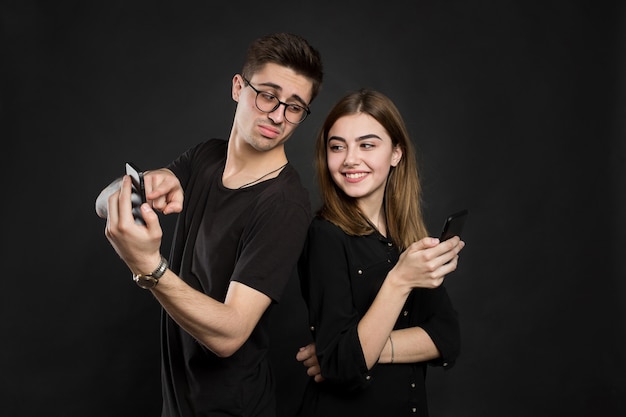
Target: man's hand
x=163 y=191
x=137 y=245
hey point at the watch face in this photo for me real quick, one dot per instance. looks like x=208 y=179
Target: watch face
x=146 y=282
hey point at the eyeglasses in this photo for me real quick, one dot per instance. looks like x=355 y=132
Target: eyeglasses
x=268 y=102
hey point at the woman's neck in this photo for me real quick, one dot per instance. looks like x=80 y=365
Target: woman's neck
x=375 y=213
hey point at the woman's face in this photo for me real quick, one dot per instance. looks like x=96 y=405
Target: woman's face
x=360 y=154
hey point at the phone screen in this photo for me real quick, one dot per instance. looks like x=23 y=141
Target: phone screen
x=137 y=177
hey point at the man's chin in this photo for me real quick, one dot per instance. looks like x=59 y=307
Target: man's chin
x=265 y=144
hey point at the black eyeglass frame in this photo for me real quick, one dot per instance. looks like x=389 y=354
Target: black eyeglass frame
x=306 y=113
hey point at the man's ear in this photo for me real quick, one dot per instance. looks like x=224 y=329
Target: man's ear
x=238 y=85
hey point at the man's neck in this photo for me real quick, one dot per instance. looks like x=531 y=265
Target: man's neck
x=245 y=164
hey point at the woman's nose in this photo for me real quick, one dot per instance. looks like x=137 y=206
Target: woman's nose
x=351 y=158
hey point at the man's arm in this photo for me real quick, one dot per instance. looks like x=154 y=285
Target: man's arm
x=221 y=327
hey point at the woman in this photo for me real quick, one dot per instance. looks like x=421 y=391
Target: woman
x=370 y=275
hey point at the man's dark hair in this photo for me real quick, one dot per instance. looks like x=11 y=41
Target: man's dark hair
x=287 y=50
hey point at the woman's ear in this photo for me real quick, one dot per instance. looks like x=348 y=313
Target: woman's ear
x=396 y=155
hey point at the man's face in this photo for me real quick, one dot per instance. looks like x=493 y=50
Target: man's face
x=266 y=131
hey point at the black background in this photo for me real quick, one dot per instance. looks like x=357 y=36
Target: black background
x=517 y=111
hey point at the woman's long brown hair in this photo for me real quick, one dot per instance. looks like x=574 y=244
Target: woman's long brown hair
x=402 y=199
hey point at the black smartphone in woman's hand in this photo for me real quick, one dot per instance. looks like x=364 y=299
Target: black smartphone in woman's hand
x=453 y=225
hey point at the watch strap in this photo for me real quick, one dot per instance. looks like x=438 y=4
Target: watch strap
x=151 y=280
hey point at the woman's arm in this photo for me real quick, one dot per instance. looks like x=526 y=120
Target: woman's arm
x=409 y=346
x=423 y=265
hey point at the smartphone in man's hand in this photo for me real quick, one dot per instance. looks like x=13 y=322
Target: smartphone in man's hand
x=138 y=196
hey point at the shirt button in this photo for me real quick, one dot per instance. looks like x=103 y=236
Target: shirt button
x=390 y=244
x=359 y=272
x=312 y=328
x=367 y=377
x=445 y=364
x=414 y=410
x=405 y=313
x=412 y=384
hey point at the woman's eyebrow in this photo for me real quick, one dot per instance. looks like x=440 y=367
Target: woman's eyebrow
x=339 y=138
x=360 y=138
x=369 y=136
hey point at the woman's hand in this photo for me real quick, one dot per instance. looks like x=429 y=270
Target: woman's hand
x=425 y=263
x=307 y=356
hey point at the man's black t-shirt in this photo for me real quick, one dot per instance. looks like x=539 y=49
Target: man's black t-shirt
x=252 y=235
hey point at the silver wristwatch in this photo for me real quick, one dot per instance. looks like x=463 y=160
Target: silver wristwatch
x=152 y=279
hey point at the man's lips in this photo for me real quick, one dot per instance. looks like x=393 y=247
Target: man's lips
x=269 y=132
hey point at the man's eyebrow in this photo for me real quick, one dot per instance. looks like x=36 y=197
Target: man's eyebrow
x=279 y=88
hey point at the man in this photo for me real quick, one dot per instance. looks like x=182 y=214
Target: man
x=243 y=218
